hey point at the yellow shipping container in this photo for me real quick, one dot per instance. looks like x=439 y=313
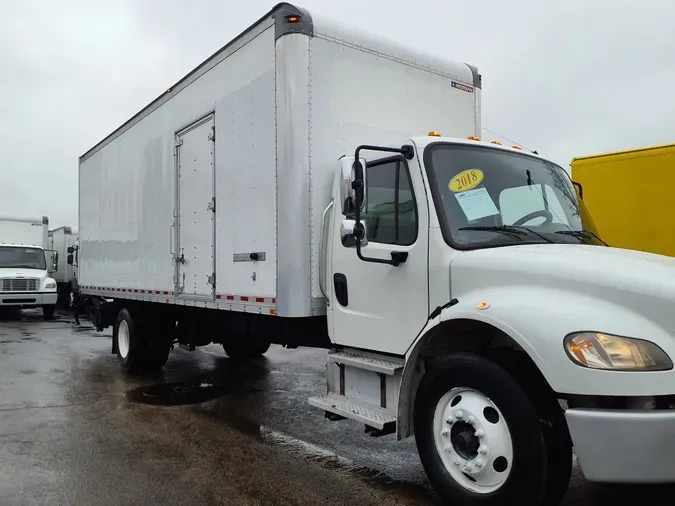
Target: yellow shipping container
x=629 y=195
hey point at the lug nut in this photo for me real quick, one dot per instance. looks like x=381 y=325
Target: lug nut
x=456 y=462
x=471 y=420
x=449 y=421
x=468 y=468
x=448 y=448
x=482 y=449
x=459 y=415
x=445 y=433
x=479 y=433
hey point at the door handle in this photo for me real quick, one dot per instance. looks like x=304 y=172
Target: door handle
x=171 y=236
x=341 y=292
x=322 y=255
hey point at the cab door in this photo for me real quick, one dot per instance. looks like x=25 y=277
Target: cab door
x=379 y=306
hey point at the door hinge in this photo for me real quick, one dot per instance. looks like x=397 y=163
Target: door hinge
x=212 y=135
x=179 y=142
x=212 y=205
x=211 y=280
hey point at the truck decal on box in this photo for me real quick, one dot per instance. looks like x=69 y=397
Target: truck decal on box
x=462 y=87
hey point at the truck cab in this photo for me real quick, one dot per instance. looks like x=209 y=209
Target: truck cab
x=26 y=264
x=472 y=303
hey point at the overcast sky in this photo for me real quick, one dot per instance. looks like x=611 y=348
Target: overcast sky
x=566 y=78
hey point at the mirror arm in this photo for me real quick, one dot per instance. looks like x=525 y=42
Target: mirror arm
x=397 y=258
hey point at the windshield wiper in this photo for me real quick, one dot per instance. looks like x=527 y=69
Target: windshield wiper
x=582 y=234
x=514 y=230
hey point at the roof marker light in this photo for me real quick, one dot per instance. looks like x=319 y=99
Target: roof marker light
x=473 y=138
x=496 y=142
x=516 y=147
x=434 y=134
x=293 y=19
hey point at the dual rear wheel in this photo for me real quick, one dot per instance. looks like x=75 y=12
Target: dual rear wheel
x=139 y=346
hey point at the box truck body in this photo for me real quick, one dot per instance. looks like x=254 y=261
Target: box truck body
x=287 y=191
x=59 y=242
x=25 y=265
x=236 y=162
x=625 y=191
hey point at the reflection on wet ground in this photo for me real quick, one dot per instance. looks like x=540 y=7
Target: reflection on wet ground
x=205 y=430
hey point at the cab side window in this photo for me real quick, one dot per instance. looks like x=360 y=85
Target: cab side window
x=390 y=212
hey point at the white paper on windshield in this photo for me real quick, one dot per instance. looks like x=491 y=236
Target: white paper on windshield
x=476 y=204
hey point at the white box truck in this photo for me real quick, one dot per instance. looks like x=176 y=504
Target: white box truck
x=62 y=241
x=287 y=191
x=26 y=264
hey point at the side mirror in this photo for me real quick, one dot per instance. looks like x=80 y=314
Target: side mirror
x=347 y=176
x=349 y=233
x=69 y=259
x=579 y=188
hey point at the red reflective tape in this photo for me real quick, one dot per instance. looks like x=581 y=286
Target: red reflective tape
x=157 y=292
x=166 y=293
x=274 y=301
x=230 y=297
x=244 y=299
x=142 y=291
x=260 y=299
x=218 y=297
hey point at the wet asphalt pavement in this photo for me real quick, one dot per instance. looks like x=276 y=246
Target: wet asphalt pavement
x=206 y=430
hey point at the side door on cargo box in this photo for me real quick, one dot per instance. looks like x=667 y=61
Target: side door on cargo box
x=194 y=211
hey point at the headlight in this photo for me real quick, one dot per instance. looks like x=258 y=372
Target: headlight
x=614 y=353
x=50 y=285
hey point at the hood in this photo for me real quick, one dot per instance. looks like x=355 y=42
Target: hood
x=624 y=277
x=21 y=273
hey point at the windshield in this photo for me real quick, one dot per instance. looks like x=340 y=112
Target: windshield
x=490 y=197
x=22 y=258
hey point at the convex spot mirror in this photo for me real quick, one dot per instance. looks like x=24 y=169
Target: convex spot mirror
x=347 y=177
x=350 y=233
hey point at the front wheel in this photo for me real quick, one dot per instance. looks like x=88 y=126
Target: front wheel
x=478 y=435
x=137 y=348
x=48 y=312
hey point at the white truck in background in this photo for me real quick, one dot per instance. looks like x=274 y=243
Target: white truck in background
x=26 y=263
x=62 y=241
x=287 y=191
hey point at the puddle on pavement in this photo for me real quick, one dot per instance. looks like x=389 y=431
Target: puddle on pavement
x=176 y=394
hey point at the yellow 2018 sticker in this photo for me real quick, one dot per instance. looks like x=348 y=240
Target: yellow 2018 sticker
x=466 y=180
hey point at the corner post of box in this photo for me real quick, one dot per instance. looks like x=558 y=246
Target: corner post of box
x=292 y=50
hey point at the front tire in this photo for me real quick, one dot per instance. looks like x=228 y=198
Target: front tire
x=136 y=349
x=478 y=434
x=48 y=312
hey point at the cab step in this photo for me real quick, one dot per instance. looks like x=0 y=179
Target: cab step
x=388 y=366
x=340 y=405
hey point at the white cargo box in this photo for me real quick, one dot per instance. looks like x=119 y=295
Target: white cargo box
x=213 y=194
x=24 y=231
x=60 y=239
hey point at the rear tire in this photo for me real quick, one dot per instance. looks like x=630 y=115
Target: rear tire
x=484 y=449
x=48 y=312
x=241 y=350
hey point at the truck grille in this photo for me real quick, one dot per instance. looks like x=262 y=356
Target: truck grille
x=19 y=284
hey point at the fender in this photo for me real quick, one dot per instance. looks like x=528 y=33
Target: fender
x=537 y=319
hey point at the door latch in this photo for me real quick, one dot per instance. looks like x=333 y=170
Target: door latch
x=181 y=259
x=212 y=205
x=211 y=280
x=212 y=134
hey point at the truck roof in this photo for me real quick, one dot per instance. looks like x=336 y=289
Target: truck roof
x=309 y=25
x=22 y=219
x=424 y=141
x=19 y=245
x=623 y=152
